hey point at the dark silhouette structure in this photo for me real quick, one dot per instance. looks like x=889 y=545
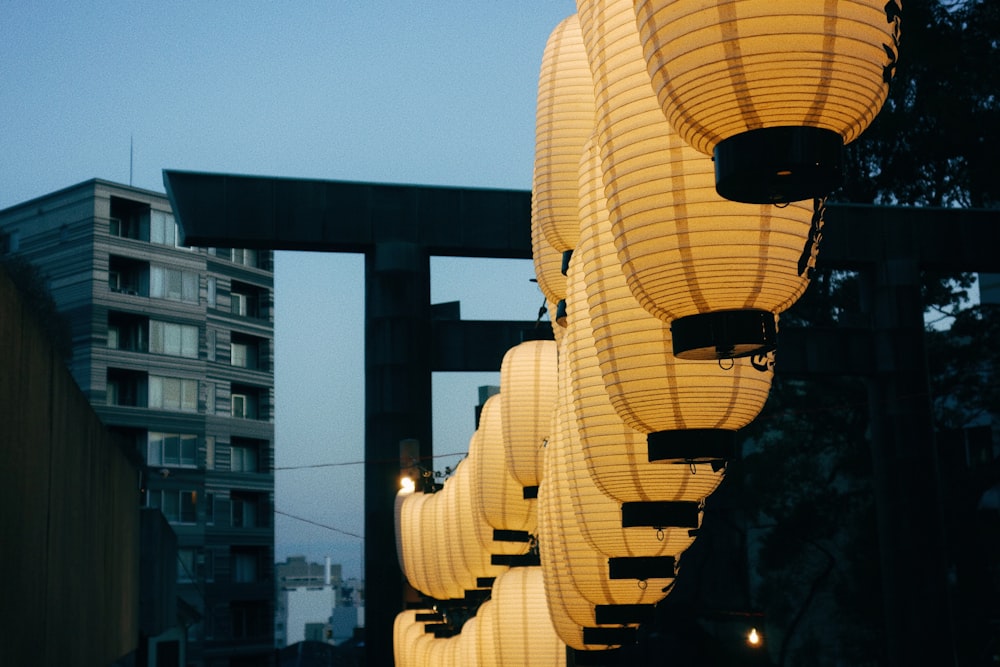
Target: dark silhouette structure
x=399 y=227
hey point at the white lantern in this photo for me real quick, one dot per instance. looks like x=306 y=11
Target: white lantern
x=772 y=88
x=528 y=378
x=718 y=272
x=523 y=632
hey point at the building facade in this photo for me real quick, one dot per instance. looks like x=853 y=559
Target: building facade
x=174 y=347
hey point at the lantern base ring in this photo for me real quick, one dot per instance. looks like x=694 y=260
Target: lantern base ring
x=778 y=165
x=724 y=334
x=692 y=445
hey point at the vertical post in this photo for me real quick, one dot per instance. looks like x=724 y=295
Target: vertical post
x=397 y=407
x=907 y=486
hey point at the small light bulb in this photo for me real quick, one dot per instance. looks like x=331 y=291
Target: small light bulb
x=753 y=638
x=407 y=485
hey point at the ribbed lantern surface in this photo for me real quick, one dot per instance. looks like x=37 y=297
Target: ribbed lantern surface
x=500 y=495
x=523 y=632
x=651 y=390
x=685 y=251
x=581 y=571
x=528 y=378
x=473 y=536
x=486 y=635
x=467 y=656
x=724 y=69
x=564 y=119
x=548 y=266
x=451 y=534
x=615 y=454
x=499 y=490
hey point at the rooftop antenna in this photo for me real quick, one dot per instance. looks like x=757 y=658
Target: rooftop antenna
x=130 y=156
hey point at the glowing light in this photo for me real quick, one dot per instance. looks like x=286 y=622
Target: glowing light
x=407 y=485
x=754 y=637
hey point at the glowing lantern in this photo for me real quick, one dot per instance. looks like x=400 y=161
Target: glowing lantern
x=615 y=454
x=717 y=271
x=772 y=88
x=486 y=654
x=498 y=497
x=467 y=656
x=564 y=120
x=689 y=410
x=528 y=378
x=548 y=264
x=523 y=632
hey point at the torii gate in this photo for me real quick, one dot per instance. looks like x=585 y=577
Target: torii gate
x=399 y=227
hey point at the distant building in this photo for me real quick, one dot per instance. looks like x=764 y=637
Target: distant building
x=174 y=348
x=314 y=603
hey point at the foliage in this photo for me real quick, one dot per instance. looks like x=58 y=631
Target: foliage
x=808 y=464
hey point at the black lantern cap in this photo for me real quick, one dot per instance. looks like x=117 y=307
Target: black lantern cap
x=777 y=165
x=691 y=445
x=724 y=334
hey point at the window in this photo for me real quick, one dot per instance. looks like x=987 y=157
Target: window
x=244 y=458
x=127 y=332
x=172 y=449
x=178 y=506
x=244 y=256
x=173 y=284
x=125 y=388
x=238 y=354
x=179 y=340
x=245 y=402
x=212 y=284
x=127 y=276
x=244 y=566
x=245 y=508
x=246 y=351
x=209 y=452
x=247 y=300
x=173 y=394
x=162 y=228
x=129 y=219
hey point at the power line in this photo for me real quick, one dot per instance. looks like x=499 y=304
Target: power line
x=321 y=525
x=356 y=463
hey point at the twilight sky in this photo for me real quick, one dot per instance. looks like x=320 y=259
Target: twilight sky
x=437 y=93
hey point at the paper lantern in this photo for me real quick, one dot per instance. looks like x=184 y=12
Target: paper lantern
x=467 y=656
x=486 y=654
x=455 y=525
x=548 y=264
x=401 y=496
x=435 y=534
x=564 y=120
x=577 y=577
x=772 y=88
x=690 y=410
x=528 y=377
x=616 y=455
x=498 y=496
x=717 y=271
x=473 y=537
x=523 y=632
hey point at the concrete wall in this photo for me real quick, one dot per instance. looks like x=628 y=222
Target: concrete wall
x=69 y=511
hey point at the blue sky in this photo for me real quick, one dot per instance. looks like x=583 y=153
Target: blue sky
x=439 y=93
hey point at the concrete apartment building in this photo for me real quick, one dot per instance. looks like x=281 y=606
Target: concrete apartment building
x=174 y=348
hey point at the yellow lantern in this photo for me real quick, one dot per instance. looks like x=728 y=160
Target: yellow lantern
x=499 y=498
x=467 y=656
x=548 y=264
x=528 y=379
x=563 y=122
x=690 y=410
x=615 y=454
x=523 y=632
x=486 y=654
x=772 y=88
x=717 y=271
